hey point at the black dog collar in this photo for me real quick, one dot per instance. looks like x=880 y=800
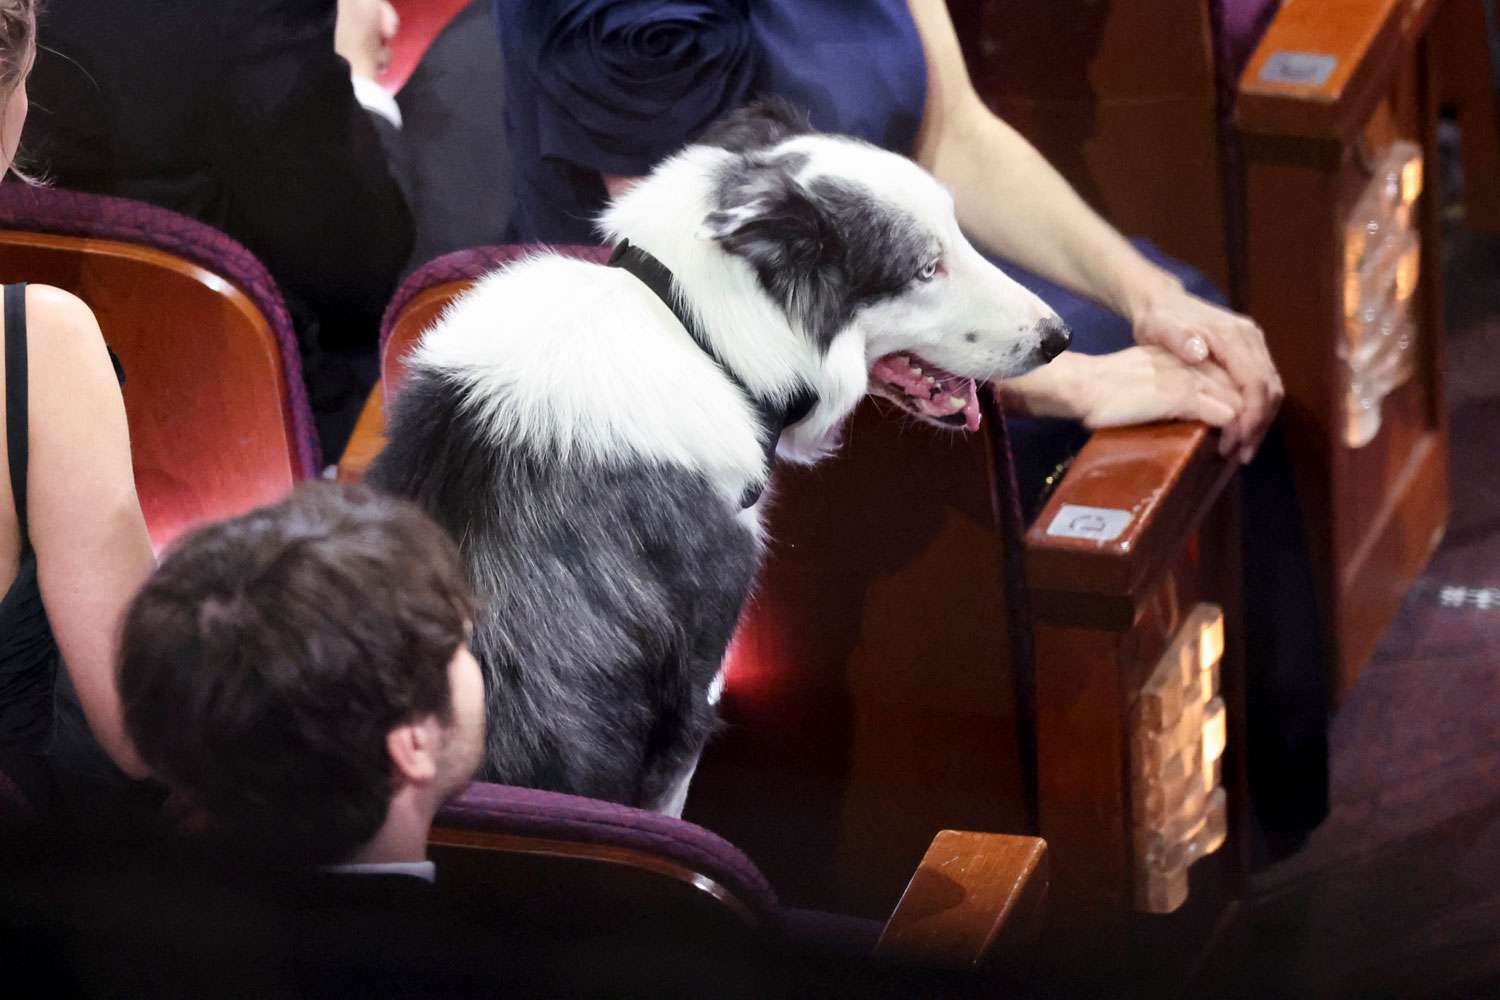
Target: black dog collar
x=774 y=418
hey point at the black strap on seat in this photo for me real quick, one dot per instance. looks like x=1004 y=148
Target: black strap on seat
x=16 y=401
x=774 y=417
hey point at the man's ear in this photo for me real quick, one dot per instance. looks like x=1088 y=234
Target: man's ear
x=413 y=747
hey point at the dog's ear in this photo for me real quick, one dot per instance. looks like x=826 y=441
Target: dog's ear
x=767 y=217
x=758 y=125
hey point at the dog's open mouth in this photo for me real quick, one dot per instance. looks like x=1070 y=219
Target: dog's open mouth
x=926 y=391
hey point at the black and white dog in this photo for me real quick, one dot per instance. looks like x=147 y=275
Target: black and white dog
x=597 y=438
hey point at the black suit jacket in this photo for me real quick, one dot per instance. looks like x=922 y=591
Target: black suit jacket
x=239 y=113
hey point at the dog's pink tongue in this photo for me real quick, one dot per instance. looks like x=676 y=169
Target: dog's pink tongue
x=927 y=388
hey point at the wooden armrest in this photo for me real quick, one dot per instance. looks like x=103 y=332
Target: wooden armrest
x=975 y=898
x=1143 y=491
x=367 y=440
x=1342 y=57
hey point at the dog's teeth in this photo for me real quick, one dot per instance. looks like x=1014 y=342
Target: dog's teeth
x=957 y=402
x=915 y=370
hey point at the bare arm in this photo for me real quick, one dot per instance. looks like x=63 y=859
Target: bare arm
x=85 y=521
x=1013 y=203
x=1139 y=385
x=1009 y=198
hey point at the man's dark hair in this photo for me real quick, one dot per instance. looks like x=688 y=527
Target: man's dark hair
x=264 y=663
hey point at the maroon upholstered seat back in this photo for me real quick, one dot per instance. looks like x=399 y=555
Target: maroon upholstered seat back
x=538 y=822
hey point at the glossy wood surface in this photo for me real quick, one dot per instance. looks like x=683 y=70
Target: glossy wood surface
x=205 y=396
x=1086 y=81
x=1366 y=39
x=969 y=890
x=1166 y=477
x=1087 y=676
x=1376 y=513
x=368 y=438
x=421 y=311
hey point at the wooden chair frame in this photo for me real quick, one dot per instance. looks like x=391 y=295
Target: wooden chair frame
x=974 y=904
x=1378 y=511
x=1135 y=117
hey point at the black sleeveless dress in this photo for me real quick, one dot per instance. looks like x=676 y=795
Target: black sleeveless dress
x=28 y=650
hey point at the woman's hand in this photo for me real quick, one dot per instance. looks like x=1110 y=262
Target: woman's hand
x=362 y=34
x=1200 y=333
x=1139 y=385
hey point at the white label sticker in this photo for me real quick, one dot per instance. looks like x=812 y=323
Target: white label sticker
x=1306 y=69
x=1097 y=524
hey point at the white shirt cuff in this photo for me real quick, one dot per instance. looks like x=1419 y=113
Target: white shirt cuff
x=377 y=99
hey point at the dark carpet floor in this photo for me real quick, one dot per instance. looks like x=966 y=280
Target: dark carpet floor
x=1398 y=893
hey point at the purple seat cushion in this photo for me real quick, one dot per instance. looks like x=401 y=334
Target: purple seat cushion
x=830 y=933
x=468 y=265
x=1238 y=27
x=528 y=812
x=74 y=213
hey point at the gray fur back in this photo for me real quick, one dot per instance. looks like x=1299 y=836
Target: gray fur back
x=608 y=597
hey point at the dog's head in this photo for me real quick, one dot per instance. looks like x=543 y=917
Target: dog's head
x=851 y=240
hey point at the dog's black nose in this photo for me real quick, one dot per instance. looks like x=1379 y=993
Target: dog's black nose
x=1055 y=338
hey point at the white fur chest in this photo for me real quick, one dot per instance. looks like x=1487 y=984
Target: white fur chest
x=585 y=364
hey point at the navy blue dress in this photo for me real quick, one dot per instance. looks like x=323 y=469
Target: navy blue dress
x=608 y=87
x=600 y=87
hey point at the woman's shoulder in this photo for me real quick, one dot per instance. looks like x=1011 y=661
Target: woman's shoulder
x=68 y=365
x=62 y=333
x=60 y=310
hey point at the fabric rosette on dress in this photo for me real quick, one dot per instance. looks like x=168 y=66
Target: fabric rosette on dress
x=632 y=81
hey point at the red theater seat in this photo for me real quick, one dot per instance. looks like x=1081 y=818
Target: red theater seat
x=218 y=413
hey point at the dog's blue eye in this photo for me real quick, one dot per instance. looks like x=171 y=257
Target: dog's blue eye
x=929 y=271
